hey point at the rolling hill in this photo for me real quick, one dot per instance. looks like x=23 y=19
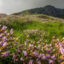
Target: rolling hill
x=37 y=26
x=48 y=10
x=39 y=20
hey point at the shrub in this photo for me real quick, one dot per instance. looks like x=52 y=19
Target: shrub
x=29 y=52
x=7 y=42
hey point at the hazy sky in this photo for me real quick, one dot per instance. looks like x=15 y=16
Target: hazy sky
x=12 y=6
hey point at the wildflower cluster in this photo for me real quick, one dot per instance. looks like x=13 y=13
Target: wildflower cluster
x=31 y=52
x=7 y=41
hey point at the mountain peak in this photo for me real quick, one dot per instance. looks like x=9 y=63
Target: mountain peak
x=49 y=6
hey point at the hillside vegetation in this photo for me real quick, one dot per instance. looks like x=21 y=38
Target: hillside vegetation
x=37 y=39
x=35 y=26
x=48 y=10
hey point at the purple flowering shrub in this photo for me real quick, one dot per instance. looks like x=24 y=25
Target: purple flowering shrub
x=7 y=42
x=31 y=52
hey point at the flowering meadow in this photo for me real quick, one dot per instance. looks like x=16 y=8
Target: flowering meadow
x=30 y=51
x=7 y=42
x=32 y=40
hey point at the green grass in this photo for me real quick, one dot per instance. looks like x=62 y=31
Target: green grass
x=44 y=28
x=48 y=27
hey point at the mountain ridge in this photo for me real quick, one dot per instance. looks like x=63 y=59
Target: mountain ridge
x=48 y=10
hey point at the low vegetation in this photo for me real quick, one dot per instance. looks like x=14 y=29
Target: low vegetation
x=37 y=39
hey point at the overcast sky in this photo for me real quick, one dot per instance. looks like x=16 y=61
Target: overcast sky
x=12 y=6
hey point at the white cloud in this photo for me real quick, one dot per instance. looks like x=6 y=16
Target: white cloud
x=1 y=2
x=11 y=6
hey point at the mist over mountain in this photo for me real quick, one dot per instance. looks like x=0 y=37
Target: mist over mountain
x=13 y=6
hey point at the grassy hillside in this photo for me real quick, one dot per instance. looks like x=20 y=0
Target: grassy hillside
x=35 y=27
x=37 y=43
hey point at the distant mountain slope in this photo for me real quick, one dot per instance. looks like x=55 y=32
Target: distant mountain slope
x=48 y=10
x=2 y=15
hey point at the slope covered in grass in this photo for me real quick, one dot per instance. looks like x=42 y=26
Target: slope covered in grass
x=35 y=27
